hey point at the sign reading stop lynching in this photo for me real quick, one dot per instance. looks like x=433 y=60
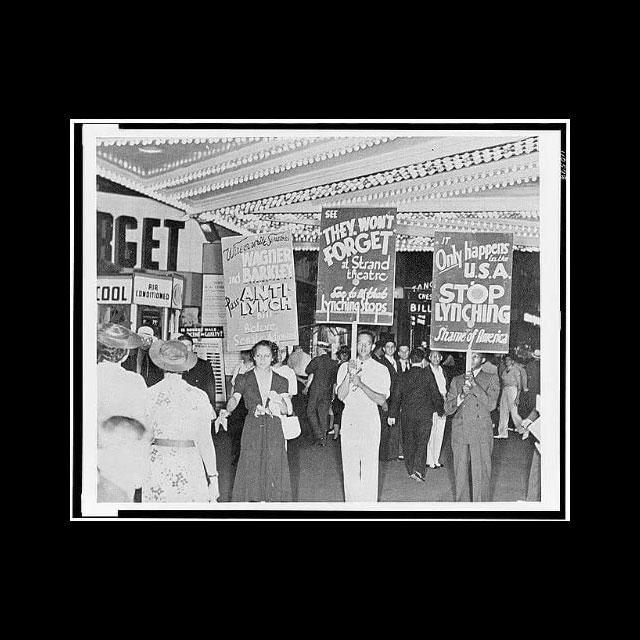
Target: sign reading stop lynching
x=356 y=266
x=471 y=296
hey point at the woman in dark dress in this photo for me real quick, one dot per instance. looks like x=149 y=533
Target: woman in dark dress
x=263 y=471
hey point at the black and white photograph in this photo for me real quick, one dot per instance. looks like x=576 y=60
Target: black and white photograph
x=330 y=319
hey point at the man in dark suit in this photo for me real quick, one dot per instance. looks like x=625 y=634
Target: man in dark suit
x=139 y=360
x=470 y=400
x=390 y=433
x=404 y=363
x=415 y=399
x=324 y=369
x=201 y=375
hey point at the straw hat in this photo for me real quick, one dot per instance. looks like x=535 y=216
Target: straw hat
x=172 y=356
x=117 y=336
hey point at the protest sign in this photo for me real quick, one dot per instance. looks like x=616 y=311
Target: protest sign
x=471 y=297
x=356 y=266
x=260 y=290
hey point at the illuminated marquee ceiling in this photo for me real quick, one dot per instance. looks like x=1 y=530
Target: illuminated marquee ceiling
x=256 y=184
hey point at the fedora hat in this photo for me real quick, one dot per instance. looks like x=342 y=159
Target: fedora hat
x=172 y=355
x=117 y=336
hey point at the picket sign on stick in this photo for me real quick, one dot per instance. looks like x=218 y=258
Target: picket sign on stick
x=479 y=266
x=468 y=353
x=467 y=363
x=354 y=338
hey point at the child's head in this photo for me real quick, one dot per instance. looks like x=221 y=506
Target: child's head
x=120 y=431
x=123 y=445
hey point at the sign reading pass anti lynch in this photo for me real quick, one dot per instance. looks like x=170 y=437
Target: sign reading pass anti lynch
x=356 y=268
x=260 y=290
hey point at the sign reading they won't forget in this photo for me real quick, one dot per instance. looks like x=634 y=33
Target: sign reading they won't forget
x=356 y=266
x=471 y=297
x=260 y=290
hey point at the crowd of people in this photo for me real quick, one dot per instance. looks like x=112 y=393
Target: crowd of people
x=156 y=416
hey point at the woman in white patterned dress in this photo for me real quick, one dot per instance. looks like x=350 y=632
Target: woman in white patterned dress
x=180 y=416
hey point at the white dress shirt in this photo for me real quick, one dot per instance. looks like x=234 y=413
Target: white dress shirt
x=376 y=376
x=440 y=379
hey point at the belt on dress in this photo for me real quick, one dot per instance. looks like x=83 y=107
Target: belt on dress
x=163 y=442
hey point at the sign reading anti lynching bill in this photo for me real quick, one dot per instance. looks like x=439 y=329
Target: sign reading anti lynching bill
x=356 y=266
x=471 y=297
x=260 y=290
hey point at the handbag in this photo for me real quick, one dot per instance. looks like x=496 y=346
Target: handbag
x=290 y=424
x=290 y=427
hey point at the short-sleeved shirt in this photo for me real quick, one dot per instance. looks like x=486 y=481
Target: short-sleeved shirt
x=513 y=378
x=289 y=374
x=121 y=393
x=376 y=376
x=241 y=369
x=298 y=361
x=178 y=410
x=324 y=370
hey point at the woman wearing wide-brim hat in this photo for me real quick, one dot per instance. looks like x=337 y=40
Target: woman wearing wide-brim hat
x=180 y=416
x=120 y=392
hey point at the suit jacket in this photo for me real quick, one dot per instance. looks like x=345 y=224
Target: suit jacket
x=400 y=366
x=393 y=374
x=201 y=376
x=151 y=373
x=472 y=419
x=415 y=394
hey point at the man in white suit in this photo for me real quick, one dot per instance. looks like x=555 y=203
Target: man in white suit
x=363 y=385
x=437 y=430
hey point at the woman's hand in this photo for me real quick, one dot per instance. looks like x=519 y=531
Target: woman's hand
x=277 y=404
x=278 y=408
x=221 y=420
x=214 y=491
